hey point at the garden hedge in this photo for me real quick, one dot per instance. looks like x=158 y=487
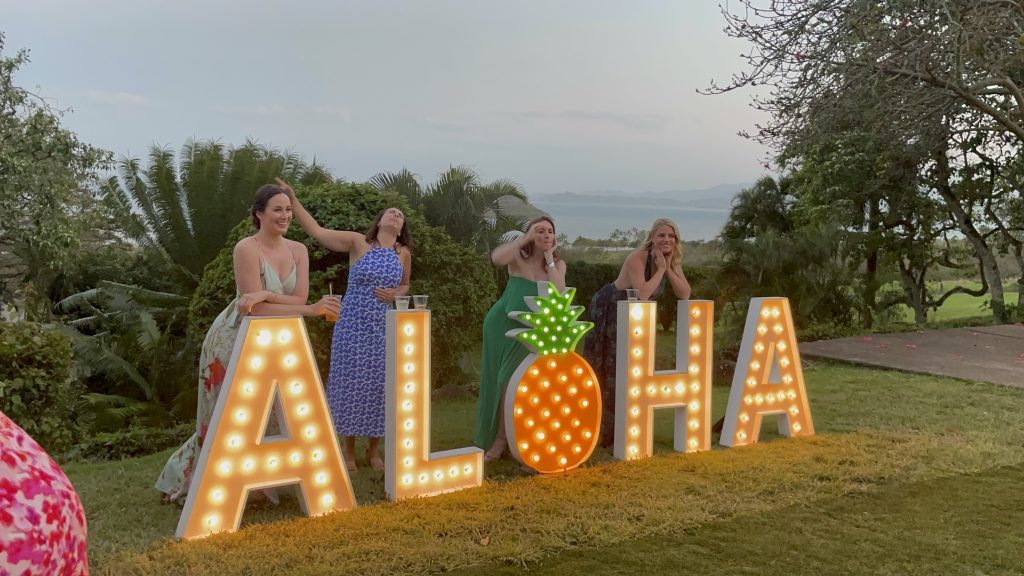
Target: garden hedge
x=36 y=389
x=459 y=282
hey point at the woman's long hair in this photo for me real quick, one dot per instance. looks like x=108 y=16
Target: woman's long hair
x=526 y=251
x=676 y=260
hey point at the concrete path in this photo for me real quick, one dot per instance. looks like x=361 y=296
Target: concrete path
x=986 y=353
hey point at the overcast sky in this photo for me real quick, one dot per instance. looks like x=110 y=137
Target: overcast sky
x=559 y=96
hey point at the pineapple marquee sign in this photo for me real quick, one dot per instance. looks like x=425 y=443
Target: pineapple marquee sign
x=553 y=399
x=552 y=405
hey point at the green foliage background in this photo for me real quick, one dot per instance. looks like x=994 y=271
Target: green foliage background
x=459 y=282
x=35 y=382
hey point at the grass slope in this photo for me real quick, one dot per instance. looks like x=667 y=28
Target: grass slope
x=897 y=458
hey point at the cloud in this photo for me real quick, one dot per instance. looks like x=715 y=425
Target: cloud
x=442 y=125
x=119 y=98
x=636 y=122
x=339 y=111
x=263 y=110
x=335 y=111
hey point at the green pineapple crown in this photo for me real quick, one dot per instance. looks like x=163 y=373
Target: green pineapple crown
x=553 y=328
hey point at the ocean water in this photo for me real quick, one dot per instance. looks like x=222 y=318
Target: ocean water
x=594 y=220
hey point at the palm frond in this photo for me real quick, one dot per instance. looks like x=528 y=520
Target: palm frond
x=88 y=323
x=122 y=212
x=172 y=226
x=147 y=334
x=143 y=296
x=201 y=170
x=137 y=190
x=79 y=300
x=402 y=182
x=314 y=175
x=510 y=236
x=106 y=361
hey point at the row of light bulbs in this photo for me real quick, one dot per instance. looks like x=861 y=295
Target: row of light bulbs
x=415 y=476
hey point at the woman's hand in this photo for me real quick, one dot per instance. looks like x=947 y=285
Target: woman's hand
x=526 y=239
x=247 y=301
x=327 y=304
x=659 y=261
x=384 y=294
x=549 y=254
x=284 y=186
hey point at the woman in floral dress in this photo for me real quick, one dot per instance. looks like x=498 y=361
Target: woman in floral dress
x=272 y=279
x=380 y=264
x=42 y=524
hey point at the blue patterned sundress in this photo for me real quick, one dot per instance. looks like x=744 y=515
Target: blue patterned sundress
x=355 y=385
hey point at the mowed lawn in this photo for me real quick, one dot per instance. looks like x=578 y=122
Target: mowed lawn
x=908 y=474
x=960 y=306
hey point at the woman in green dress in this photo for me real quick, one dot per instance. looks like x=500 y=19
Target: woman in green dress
x=530 y=259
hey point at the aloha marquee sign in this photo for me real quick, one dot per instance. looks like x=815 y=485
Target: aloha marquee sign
x=552 y=408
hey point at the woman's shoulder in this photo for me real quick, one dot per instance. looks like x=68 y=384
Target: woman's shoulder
x=296 y=247
x=246 y=244
x=640 y=254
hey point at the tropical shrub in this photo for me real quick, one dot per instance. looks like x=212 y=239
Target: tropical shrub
x=129 y=344
x=459 y=282
x=36 y=388
x=588 y=278
x=130 y=443
x=182 y=206
x=473 y=213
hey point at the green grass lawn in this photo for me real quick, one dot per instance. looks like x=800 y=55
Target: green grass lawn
x=959 y=306
x=908 y=474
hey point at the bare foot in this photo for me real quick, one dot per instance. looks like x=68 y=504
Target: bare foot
x=375 y=462
x=495 y=453
x=350 y=461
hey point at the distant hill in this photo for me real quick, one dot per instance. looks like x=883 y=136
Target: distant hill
x=699 y=214
x=716 y=197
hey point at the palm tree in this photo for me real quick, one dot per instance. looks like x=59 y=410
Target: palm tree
x=761 y=208
x=186 y=209
x=474 y=214
x=404 y=182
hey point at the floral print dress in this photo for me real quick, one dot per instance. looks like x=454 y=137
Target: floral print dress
x=42 y=524
x=355 y=386
x=218 y=345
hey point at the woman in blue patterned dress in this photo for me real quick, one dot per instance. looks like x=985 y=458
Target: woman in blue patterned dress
x=380 y=262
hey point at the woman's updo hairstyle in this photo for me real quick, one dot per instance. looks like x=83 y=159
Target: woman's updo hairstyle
x=260 y=201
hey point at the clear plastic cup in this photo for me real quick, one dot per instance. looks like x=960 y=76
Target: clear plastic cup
x=331 y=316
x=419 y=301
x=401 y=302
x=632 y=294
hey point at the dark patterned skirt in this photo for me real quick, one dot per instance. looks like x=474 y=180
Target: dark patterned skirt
x=599 y=350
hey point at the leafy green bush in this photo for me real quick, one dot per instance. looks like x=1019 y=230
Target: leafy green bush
x=460 y=283
x=588 y=278
x=130 y=443
x=36 y=388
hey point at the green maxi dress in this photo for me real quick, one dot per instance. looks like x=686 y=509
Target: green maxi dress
x=501 y=356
